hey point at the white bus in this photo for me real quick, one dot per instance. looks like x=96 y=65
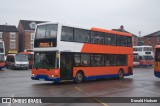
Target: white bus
x=143 y=56
x=2 y=55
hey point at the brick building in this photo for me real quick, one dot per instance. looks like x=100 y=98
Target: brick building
x=134 y=37
x=9 y=34
x=152 y=39
x=26 y=33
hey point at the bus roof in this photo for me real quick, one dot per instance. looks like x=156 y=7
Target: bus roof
x=110 y=31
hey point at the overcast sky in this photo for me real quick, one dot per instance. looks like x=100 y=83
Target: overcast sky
x=134 y=15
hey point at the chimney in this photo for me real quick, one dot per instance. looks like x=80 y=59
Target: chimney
x=121 y=27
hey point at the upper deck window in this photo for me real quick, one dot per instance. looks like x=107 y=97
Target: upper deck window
x=67 y=33
x=110 y=39
x=81 y=35
x=97 y=37
x=46 y=31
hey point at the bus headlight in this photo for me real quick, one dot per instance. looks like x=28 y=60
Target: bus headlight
x=52 y=75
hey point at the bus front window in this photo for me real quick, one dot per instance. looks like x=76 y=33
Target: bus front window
x=148 y=49
x=46 y=31
x=45 y=60
x=21 y=57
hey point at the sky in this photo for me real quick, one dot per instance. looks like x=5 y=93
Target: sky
x=135 y=15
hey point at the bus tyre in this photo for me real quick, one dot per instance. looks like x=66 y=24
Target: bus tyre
x=79 y=77
x=120 y=74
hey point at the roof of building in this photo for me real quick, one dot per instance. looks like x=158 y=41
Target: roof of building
x=8 y=28
x=121 y=29
x=157 y=33
x=26 y=24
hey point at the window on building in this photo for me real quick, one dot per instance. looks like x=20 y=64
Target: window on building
x=12 y=36
x=158 y=39
x=12 y=44
x=32 y=45
x=0 y=35
x=32 y=37
x=33 y=25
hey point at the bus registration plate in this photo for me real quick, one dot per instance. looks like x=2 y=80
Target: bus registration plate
x=41 y=79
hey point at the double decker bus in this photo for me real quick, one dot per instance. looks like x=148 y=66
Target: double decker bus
x=2 y=55
x=157 y=61
x=143 y=56
x=68 y=52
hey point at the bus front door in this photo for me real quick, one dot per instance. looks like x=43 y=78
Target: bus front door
x=66 y=66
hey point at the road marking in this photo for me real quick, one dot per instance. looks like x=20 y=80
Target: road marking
x=94 y=98
x=142 y=89
x=79 y=89
x=151 y=91
x=100 y=101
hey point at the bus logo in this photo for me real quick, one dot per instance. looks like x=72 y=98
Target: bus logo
x=6 y=100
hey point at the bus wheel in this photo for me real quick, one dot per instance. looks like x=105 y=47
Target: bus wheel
x=120 y=74
x=79 y=77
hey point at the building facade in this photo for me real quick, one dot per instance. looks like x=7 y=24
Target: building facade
x=152 y=39
x=9 y=34
x=26 y=34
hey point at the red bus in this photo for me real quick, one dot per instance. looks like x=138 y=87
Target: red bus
x=2 y=55
x=67 y=52
x=157 y=61
x=30 y=58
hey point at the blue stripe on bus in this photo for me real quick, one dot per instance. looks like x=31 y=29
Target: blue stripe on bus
x=2 y=66
x=157 y=74
x=45 y=77
x=101 y=76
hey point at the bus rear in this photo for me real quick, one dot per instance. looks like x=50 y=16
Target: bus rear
x=157 y=61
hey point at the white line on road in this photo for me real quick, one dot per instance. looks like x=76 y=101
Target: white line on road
x=94 y=98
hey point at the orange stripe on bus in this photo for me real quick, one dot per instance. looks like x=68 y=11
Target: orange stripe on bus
x=106 y=49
